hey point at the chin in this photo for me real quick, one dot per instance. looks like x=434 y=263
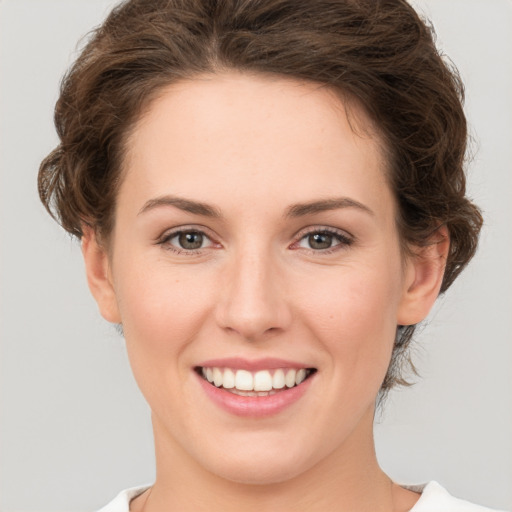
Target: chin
x=255 y=463
x=261 y=472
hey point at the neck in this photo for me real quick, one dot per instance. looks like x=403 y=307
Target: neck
x=348 y=479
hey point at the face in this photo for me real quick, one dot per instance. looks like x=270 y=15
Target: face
x=255 y=245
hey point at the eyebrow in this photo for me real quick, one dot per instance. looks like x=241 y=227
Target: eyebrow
x=302 y=209
x=293 y=211
x=195 y=207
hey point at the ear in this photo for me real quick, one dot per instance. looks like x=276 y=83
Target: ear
x=423 y=278
x=99 y=276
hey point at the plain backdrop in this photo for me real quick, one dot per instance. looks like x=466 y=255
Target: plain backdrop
x=74 y=427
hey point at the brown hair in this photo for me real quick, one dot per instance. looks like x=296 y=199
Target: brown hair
x=377 y=51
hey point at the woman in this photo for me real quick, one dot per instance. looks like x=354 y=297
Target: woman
x=270 y=196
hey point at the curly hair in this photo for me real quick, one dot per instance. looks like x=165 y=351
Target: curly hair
x=379 y=52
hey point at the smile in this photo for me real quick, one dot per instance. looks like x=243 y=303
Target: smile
x=254 y=389
x=260 y=383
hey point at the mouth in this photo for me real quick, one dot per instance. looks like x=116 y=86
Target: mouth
x=261 y=383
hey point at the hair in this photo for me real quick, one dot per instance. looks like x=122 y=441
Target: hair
x=378 y=52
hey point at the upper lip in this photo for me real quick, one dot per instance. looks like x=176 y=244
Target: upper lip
x=239 y=363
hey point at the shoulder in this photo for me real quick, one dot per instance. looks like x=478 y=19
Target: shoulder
x=435 y=498
x=121 y=503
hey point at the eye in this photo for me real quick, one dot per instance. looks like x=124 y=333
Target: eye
x=188 y=240
x=323 y=240
x=320 y=240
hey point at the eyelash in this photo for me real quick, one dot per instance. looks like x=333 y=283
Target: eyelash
x=167 y=237
x=342 y=238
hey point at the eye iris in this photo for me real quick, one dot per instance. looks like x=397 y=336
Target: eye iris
x=190 y=240
x=320 y=241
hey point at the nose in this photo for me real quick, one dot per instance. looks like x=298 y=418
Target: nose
x=253 y=297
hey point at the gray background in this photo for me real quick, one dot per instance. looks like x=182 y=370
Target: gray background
x=74 y=428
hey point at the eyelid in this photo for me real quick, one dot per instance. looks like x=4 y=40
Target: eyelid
x=184 y=228
x=323 y=229
x=170 y=233
x=345 y=238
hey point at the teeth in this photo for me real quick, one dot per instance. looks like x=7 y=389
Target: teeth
x=244 y=380
x=261 y=383
x=229 y=379
x=217 y=377
x=290 y=378
x=278 y=380
x=301 y=375
x=253 y=393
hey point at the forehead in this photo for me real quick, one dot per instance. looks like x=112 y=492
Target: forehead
x=253 y=136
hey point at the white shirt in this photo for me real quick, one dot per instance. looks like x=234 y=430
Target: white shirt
x=434 y=498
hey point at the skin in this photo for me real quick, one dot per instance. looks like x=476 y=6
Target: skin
x=251 y=146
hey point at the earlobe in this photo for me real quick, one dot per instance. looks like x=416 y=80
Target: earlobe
x=99 y=278
x=424 y=277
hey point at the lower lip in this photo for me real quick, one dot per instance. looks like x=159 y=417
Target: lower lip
x=255 y=406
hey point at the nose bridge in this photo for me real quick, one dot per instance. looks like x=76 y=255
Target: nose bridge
x=253 y=302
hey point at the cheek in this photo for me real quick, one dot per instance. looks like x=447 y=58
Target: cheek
x=355 y=319
x=161 y=309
